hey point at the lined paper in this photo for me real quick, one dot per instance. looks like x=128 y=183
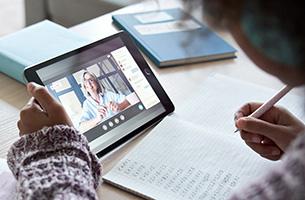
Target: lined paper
x=8 y=127
x=7 y=182
x=214 y=104
x=179 y=160
x=194 y=153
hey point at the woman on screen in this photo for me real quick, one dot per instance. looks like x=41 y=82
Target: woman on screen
x=100 y=104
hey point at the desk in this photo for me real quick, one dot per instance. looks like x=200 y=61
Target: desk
x=190 y=77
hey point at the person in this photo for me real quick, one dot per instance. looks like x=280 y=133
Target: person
x=100 y=104
x=270 y=32
x=51 y=160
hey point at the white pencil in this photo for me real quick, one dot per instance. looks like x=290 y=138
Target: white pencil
x=268 y=104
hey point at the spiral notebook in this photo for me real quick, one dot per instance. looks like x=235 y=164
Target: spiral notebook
x=201 y=157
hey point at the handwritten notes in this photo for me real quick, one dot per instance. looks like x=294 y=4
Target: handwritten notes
x=194 y=154
x=187 y=183
x=179 y=160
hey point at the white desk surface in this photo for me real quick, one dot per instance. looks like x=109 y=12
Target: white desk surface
x=177 y=81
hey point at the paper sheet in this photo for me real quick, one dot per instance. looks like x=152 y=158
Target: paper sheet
x=194 y=154
x=214 y=104
x=8 y=127
x=153 y=17
x=167 y=27
x=178 y=160
x=7 y=182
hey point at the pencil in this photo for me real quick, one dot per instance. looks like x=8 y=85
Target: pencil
x=268 y=104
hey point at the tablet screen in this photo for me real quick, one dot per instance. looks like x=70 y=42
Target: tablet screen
x=104 y=92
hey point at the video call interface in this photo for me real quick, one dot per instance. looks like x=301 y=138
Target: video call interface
x=104 y=92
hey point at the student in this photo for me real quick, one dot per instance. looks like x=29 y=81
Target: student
x=100 y=103
x=272 y=34
x=54 y=161
x=51 y=160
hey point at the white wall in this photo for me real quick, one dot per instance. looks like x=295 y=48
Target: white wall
x=11 y=16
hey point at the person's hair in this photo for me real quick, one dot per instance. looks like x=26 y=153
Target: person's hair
x=289 y=16
x=100 y=87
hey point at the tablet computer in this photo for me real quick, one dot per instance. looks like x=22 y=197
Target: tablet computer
x=107 y=89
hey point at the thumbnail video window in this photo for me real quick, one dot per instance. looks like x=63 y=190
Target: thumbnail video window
x=94 y=94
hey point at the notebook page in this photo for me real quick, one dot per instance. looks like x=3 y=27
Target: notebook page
x=8 y=127
x=7 y=182
x=219 y=97
x=179 y=160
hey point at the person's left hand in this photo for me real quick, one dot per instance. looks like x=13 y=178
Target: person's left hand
x=113 y=106
x=42 y=110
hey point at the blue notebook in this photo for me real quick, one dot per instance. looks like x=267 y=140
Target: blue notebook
x=172 y=37
x=35 y=44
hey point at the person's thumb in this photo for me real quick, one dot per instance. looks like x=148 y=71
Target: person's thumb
x=41 y=95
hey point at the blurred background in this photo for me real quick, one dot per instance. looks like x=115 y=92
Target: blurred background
x=11 y=16
x=16 y=14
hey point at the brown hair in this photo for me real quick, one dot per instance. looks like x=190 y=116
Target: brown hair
x=218 y=13
x=290 y=15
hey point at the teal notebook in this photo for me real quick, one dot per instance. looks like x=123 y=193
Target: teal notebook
x=172 y=37
x=35 y=44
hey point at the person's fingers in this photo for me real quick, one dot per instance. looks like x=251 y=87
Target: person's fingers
x=32 y=103
x=113 y=106
x=102 y=110
x=20 y=127
x=30 y=110
x=265 y=150
x=251 y=137
x=238 y=115
x=257 y=126
x=246 y=109
x=274 y=158
x=267 y=141
x=42 y=96
x=255 y=138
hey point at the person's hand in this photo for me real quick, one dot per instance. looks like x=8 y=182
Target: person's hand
x=113 y=106
x=42 y=110
x=272 y=133
x=102 y=110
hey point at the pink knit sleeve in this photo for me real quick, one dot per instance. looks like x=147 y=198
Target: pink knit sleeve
x=54 y=163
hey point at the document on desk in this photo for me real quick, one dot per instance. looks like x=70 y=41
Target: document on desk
x=194 y=153
x=215 y=102
x=179 y=160
x=8 y=127
x=7 y=182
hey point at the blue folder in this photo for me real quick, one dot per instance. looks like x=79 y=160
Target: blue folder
x=35 y=44
x=175 y=47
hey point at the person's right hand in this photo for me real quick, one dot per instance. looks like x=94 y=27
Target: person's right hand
x=41 y=111
x=272 y=133
x=102 y=111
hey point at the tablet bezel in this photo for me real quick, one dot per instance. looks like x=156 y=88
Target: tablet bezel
x=31 y=75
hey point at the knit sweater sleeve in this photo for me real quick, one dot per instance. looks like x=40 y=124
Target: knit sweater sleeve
x=286 y=181
x=54 y=163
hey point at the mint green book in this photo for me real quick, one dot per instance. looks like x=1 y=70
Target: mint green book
x=35 y=44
